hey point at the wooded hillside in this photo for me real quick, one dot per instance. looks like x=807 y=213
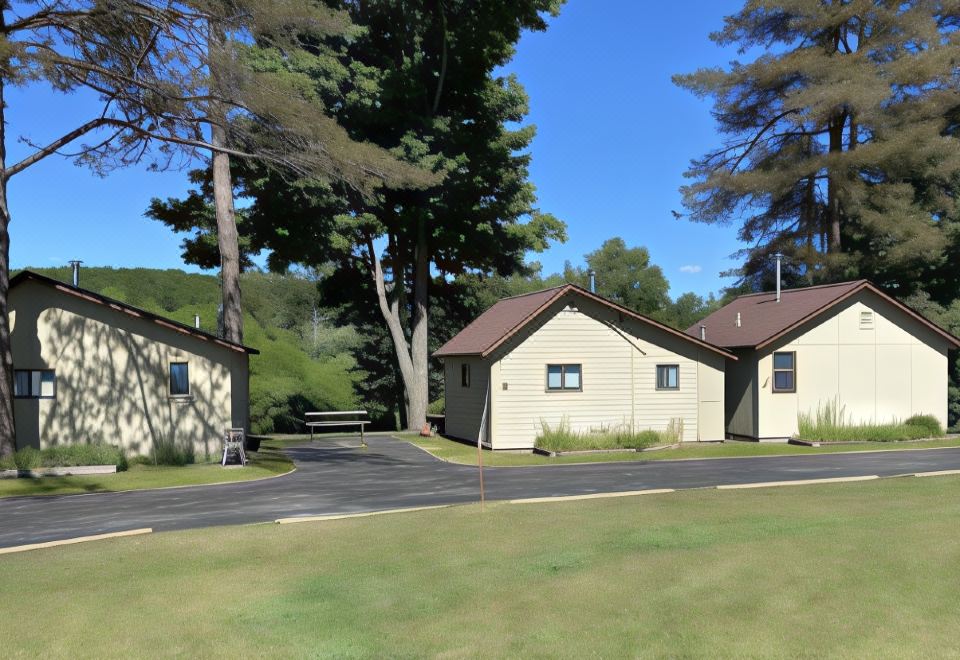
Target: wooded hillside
x=305 y=363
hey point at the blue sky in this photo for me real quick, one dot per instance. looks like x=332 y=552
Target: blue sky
x=614 y=138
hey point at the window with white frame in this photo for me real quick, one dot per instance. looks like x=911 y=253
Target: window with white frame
x=564 y=377
x=34 y=384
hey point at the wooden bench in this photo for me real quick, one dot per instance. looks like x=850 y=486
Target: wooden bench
x=315 y=420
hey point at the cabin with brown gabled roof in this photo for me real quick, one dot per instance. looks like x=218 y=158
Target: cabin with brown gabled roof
x=566 y=355
x=848 y=345
x=88 y=368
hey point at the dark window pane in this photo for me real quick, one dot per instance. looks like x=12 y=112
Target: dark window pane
x=465 y=375
x=783 y=380
x=21 y=383
x=783 y=360
x=179 y=379
x=554 y=376
x=572 y=377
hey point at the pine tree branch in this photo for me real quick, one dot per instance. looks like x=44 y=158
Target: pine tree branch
x=757 y=137
x=52 y=147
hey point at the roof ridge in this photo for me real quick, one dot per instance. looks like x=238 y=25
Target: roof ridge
x=804 y=288
x=533 y=293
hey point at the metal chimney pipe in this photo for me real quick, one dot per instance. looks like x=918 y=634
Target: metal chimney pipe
x=738 y=319
x=779 y=258
x=196 y=321
x=703 y=333
x=76 y=272
x=593 y=280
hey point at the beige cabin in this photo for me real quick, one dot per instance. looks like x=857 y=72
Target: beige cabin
x=845 y=345
x=88 y=368
x=567 y=355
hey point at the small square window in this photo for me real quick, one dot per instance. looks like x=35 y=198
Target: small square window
x=564 y=377
x=34 y=384
x=668 y=377
x=179 y=379
x=785 y=372
x=465 y=375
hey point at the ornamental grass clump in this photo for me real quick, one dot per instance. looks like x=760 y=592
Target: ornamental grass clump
x=562 y=437
x=93 y=453
x=166 y=452
x=831 y=423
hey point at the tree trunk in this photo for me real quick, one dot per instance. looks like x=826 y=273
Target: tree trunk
x=227 y=237
x=833 y=184
x=227 y=240
x=414 y=376
x=419 y=392
x=8 y=434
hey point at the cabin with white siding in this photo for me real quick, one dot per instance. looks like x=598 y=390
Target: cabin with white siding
x=848 y=347
x=568 y=356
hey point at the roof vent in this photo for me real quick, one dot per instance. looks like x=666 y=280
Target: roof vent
x=779 y=258
x=738 y=320
x=703 y=333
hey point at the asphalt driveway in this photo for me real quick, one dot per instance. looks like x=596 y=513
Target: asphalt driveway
x=334 y=476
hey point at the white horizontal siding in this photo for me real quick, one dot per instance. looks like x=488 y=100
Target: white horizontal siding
x=618 y=377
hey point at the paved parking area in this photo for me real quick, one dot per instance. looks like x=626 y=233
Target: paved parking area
x=335 y=476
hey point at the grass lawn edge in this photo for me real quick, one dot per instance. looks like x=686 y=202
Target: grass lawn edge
x=55 y=493
x=866 y=447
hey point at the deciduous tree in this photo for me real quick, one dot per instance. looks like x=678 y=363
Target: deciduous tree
x=441 y=106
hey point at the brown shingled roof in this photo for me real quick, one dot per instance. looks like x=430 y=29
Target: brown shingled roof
x=508 y=316
x=763 y=320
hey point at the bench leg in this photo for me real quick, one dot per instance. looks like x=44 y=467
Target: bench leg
x=311 y=434
x=363 y=442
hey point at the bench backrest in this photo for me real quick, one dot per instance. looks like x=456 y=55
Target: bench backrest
x=337 y=416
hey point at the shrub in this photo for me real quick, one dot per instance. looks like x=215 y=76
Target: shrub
x=168 y=453
x=928 y=422
x=27 y=458
x=830 y=422
x=95 y=453
x=436 y=407
x=564 y=438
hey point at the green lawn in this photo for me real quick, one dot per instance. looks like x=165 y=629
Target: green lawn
x=850 y=570
x=458 y=452
x=265 y=463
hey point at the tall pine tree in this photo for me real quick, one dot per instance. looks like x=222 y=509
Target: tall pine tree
x=837 y=146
